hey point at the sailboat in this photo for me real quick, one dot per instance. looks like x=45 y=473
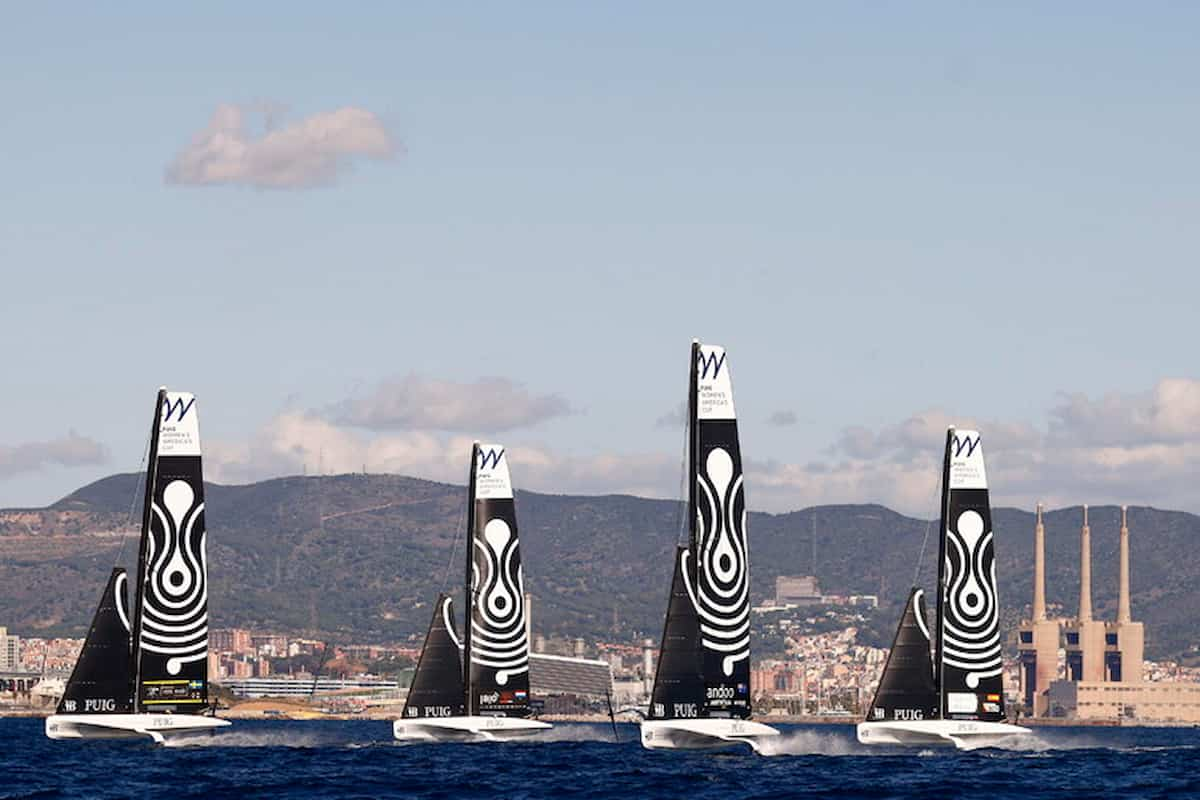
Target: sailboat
x=489 y=699
x=701 y=695
x=149 y=677
x=955 y=697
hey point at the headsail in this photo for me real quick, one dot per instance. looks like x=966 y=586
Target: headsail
x=171 y=613
x=969 y=648
x=437 y=685
x=906 y=688
x=719 y=535
x=497 y=644
x=679 y=679
x=100 y=682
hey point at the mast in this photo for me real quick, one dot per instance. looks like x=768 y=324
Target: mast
x=693 y=451
x=468 y=595
x=139 y=584
x=941 y=583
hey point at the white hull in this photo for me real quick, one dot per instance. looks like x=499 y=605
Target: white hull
x=128 y=726
x=962 y=734
x=705 y=734
x=465 y=729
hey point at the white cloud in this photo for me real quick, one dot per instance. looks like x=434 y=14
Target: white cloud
x=296 y=442
x=1134 y=448
x=71 y=450
x=1139 y=448
x=309 y=152
x=414 y=402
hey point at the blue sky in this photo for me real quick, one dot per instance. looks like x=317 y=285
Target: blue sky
x=893 y=215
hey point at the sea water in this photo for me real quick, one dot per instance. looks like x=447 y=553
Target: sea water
x=358 y=759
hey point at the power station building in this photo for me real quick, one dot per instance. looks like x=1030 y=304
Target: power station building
x=1103 y=664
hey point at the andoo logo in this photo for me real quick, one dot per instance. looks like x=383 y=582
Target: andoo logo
x=171 y=408
x=967 y=444
x=713 y=362
x=492 y=455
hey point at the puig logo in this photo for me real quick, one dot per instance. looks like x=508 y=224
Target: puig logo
x=685 y=710
x=170 y=408
x=712 y=362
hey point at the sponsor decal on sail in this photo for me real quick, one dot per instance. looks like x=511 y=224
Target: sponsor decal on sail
x=714 y=390
x=492 y=481
x=966 y=461
x=179 y=427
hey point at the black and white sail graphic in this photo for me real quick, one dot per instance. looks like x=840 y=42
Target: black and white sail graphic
x=969 y=637
x=101 y=682
x=719 y=537
x=172 y=611
x=907 y=690
x=437 y=685
x=679 y=678
x=497 y=644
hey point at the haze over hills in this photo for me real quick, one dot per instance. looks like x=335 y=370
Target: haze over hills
x=361 y=557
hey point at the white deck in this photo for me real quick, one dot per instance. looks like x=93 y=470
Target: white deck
x=705 y=734
x=129 y=726
x=465 y=729
x=964 y=735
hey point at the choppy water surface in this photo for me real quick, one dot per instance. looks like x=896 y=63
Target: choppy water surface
x=358 y=759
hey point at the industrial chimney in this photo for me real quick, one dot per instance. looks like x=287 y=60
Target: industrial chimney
x=1039 y=568
x=1085 y=570
x=1126 y=640
x=1123 y=612
x=1039 y=637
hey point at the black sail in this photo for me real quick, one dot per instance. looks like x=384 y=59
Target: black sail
x=718 y=538
x=907 y=690
x=437 y=685
x=497 y=644
x=171 y=613
x=969 y=649
x=101 y=682
x=679 y=678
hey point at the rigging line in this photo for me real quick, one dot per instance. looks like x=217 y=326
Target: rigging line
x=459 y=523
x=928 y=526
x=137 y=487
x=681 y=520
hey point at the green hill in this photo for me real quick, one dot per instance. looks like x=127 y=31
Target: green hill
x=361 y=556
